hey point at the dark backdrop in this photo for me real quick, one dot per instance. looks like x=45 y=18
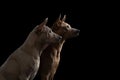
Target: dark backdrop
x=81 y=57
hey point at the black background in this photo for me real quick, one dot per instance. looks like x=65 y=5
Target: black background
x=81 y=57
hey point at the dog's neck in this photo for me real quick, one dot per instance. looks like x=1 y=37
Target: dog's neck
x=58 y=47
x=31 y=45
x=60 y=44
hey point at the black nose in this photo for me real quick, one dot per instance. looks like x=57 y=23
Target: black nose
x=77 y=31
x=59 y=38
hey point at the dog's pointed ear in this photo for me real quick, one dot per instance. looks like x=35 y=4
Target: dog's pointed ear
x=44 y=22
x=58 y=19
x=55 y=27
x=40 y=26
x=59 y=16
x=64 y=18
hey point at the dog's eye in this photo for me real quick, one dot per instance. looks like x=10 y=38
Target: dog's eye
x=65 y=29
x=67 y=26
x=50 y=31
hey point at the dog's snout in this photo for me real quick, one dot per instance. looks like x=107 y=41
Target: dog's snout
x=77 y=32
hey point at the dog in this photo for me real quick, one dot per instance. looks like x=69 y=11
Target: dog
x=51 y=55
x=24 y=62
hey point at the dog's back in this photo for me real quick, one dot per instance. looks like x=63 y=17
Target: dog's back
x=51 y=55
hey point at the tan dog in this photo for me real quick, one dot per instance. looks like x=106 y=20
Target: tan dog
x=24 y=62
x=51 y=55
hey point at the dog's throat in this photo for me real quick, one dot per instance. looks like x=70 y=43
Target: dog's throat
x=42 y=48
x=58 y=46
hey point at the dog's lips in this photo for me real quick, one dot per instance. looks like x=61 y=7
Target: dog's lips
x=77 y=34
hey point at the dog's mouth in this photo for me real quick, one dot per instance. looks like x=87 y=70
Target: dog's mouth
x=77 y=32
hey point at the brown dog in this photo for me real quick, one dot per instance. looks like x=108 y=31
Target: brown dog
x=24 y=62
x=51 y=55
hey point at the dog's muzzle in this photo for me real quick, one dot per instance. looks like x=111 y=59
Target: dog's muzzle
x=77 y=32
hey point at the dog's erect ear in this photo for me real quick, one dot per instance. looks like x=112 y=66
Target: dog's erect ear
x=58 y=19
x=64 y=18
x=40 y=26
x=44 y=22
x=55 y=27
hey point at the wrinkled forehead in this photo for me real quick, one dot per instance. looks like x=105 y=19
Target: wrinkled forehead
x=64 y=24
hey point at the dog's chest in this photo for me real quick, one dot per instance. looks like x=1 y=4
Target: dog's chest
x=33 y=66
x=30 y=65
x=55 y=58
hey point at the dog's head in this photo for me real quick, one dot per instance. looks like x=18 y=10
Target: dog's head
x=45 y=34
x=64 y=29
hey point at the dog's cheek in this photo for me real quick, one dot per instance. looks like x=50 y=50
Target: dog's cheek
x=69 y=34
x=50 y=37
